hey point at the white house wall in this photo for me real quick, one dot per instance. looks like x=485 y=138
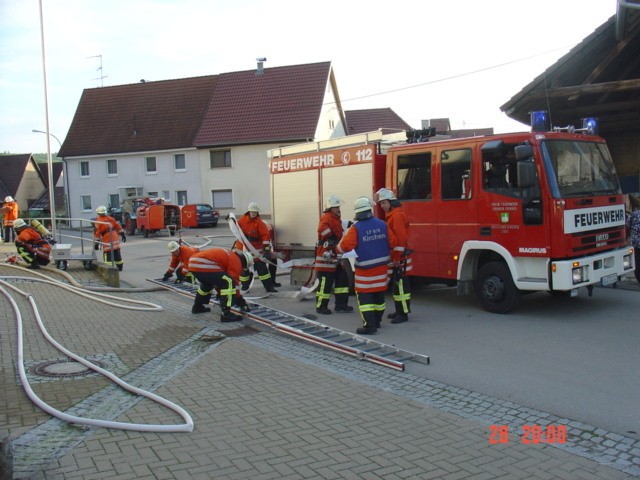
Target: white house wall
x=330 y=123
x=247 y=178
x=132 y=172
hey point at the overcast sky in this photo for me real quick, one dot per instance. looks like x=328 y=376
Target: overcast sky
x=417 y=57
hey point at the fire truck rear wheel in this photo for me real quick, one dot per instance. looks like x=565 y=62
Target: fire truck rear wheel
x=495 y=288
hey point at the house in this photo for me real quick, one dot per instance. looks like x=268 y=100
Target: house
x=599 y=77
x=21 y=178
x=41 y=205
x=368 y=120
x=195 y=140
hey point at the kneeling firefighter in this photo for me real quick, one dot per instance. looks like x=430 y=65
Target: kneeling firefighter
x=220 y=268
x=32 y=247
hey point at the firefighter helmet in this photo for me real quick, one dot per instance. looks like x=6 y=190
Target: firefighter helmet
x=101 y=210
x=19 y=224
x=362 y=204
x=385 y=194
x=253 y=207
x=248 y=258
x=333 y=201
x=172 y=246
x=8 y=198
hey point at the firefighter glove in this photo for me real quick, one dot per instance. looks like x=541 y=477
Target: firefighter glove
x=166 y=276
x=123 y=237
x=96 y=246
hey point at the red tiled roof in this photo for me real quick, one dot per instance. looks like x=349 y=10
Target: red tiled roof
x=281 y=105
x=143 y=116
x=360 y=121
x=12 y=168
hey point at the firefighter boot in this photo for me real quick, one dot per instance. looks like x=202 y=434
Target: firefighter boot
x=268 y=286
x=200 y=302
x=368 y=324
x=228 y=316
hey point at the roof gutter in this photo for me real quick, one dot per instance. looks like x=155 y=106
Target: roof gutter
x=621 y=16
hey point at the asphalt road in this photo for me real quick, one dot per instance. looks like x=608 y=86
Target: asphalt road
x=577 y=358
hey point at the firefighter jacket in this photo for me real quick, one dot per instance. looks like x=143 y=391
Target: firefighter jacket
x=108 y=231
x=398 y=231
x=217 y=260
x=10 y=210
x=329 y=234
x=256 y=232
x=30 y=240
x=180 y=259
x=369 y=240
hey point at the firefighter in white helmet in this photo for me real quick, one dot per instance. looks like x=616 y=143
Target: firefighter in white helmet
x=180 y=255
x=10 y=209
x=108 y=233
x=329 y=270
x=32 y=247
x=220 y=268
x=257 y=232
x=368 y=237
x=398 y=231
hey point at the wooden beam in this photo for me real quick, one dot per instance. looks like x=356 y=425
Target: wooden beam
x=595 y=88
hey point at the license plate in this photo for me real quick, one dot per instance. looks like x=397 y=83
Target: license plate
x=609 y=280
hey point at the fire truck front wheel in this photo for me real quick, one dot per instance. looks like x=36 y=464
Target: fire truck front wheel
x=495 y=288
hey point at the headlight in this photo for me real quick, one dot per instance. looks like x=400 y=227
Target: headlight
x=578 y=275
x=626 y=262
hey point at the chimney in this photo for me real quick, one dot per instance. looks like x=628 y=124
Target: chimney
x=260 y=70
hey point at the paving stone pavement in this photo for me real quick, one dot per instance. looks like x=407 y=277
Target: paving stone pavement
x=264 y=406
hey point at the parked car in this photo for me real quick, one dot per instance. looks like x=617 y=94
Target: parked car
x=206 y=215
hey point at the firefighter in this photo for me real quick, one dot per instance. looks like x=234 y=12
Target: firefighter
x=31 y=246
x=368 y=237
x=398 y=232
x=220 y=268
x=108 y=231
x=10 y=210
x=328 y=269
x=180 y=255
x=257 y=232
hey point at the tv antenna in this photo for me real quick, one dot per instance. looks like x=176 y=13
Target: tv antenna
x=99 y=69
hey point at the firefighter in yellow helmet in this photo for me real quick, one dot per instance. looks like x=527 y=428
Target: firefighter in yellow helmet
x=398 y=232
x=257 y=232
x=108 y=233
x=32 y=247
x=329 y=269
x=180 y=255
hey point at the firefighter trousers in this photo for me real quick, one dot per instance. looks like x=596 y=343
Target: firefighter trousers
x=336 y=280
x=400 y=286
x=371 y=306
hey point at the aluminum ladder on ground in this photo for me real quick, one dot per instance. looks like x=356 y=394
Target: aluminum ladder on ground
x=316 y=332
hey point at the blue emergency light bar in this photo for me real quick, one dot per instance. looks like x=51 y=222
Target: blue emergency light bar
x=590 y=125
x=540 y=121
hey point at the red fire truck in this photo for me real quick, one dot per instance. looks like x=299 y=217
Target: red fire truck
x=498 y=215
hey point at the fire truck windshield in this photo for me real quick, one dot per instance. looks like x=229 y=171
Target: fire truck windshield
x=579 y=168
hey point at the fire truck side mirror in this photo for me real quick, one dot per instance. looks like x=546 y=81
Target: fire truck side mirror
x=523 y=152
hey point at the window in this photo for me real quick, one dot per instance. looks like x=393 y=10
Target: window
x=152 y=194
x=114 y=200
x=499 y=168
x=150 y=164
x=414 y=176
x=179 y=162
x=112 y=167
x=181 y=196
x=166 y=195
x=86 y=203
x=219 y=158
x=455 y=174
x=222 y=199
x=84 y=169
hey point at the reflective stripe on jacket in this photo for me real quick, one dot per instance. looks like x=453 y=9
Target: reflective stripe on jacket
x=108 y=230
x=217 y=260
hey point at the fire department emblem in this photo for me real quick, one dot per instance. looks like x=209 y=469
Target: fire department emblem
x=346 y=158
x=504 y=217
